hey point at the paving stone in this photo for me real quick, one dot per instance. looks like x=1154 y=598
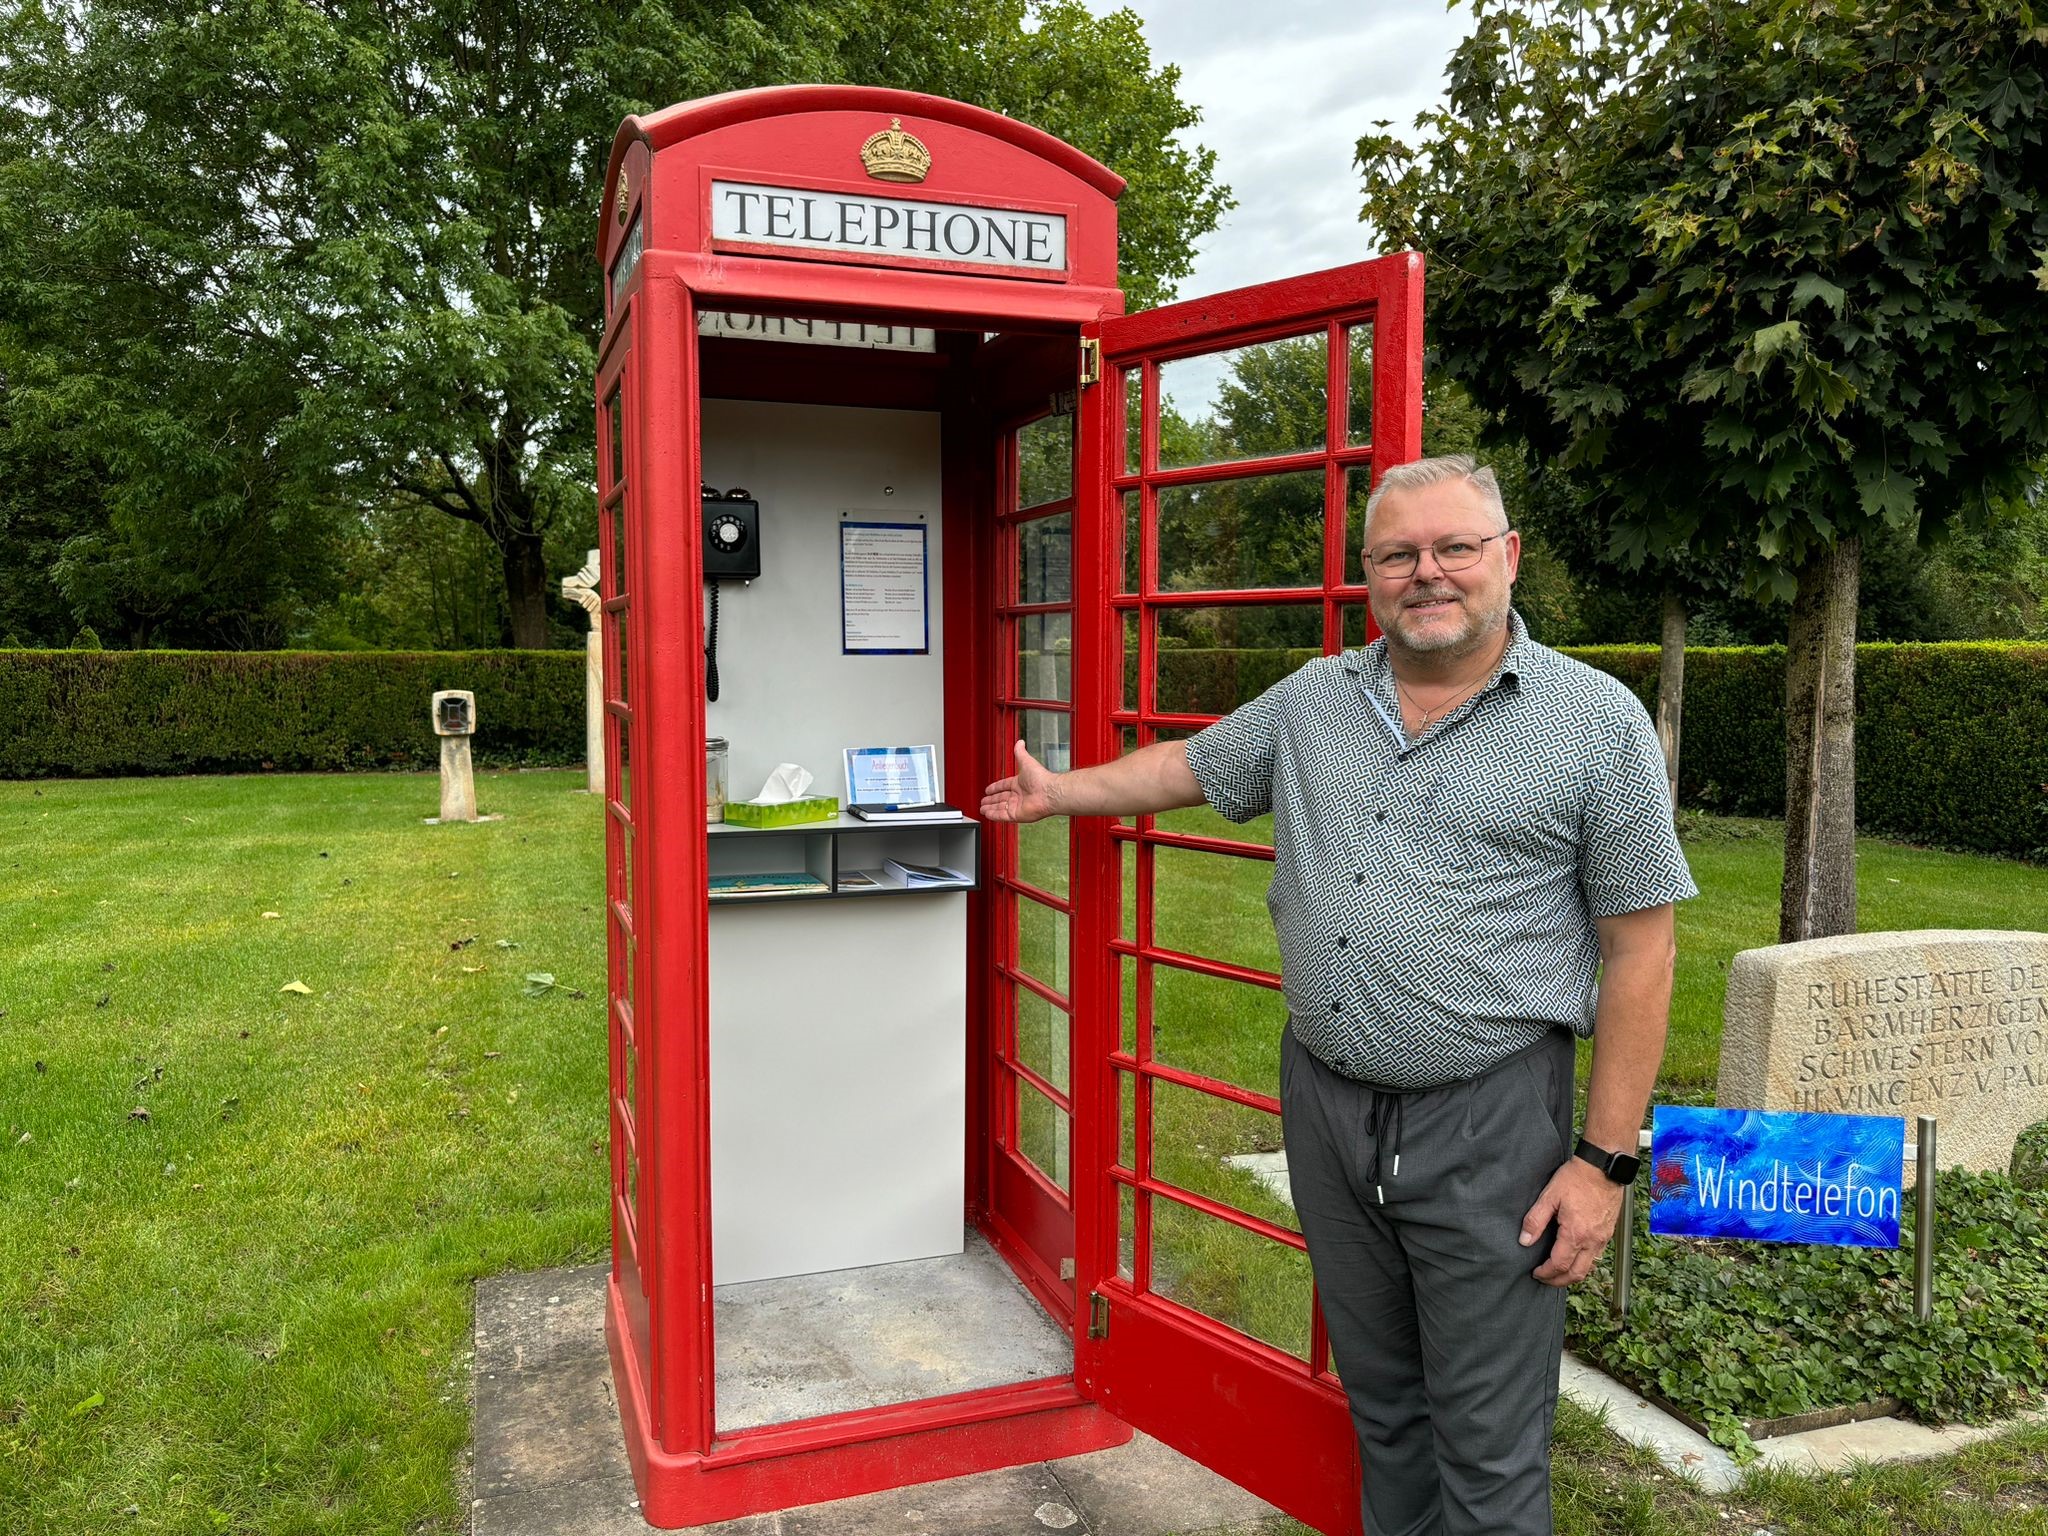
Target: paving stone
x=1146 y=1489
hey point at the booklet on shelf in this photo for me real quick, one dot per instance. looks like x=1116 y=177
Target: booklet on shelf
x=915 y=875
x=928 y=810
x=748 y=887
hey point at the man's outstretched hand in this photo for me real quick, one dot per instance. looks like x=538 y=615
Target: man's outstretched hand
x=1025 y=796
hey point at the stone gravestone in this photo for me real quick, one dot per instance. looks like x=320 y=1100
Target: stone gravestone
x=582 y=589
x=1946 y=1022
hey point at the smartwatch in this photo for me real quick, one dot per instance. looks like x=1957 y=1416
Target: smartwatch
x=1620 y=1167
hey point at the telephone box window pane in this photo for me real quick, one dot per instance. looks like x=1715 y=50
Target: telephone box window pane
x=1042 y=1036
x=1359 y=344
x=1351 y=620
x=1048 y=736
x=1213 y=659
x=1042 y=943
x=615 y=630
x=1127 y=922
x=626 y=764
x=614 y=573
x=1127 y=1121
x=1045 y=559
x=1226 y=1151
x=1129 y=999
x=625 y=891
x=1042 y=1133
x=1213 y=905
x=615 y=437
x=1134 y=419
x=1265 y=531
x=1043 y=854
x=1245 y=403
x=629 y=1075
x=1045 y=656
x=1127 y=1233
x=1127 y=661
x=1247 y=1282
x=1357 y=489
x=1133 y=540
x=1228 y=1030
x=1045 y=461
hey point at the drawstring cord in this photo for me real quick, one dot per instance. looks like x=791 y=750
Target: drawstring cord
x=1383 y=1125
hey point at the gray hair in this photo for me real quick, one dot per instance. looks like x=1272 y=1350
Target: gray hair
x=1426 y=472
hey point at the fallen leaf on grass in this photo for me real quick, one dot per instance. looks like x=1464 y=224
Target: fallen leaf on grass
x=80 y=1409
x=297 y=986
x=538 y=984
x=471 y=970
x=507 y=943
x=492 y=1055
x=138 y=1113
x=462 y=943
x=273 y=914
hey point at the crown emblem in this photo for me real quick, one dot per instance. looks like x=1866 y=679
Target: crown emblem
x=893 y=155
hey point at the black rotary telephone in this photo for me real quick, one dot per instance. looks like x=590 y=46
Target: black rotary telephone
x=732 y=552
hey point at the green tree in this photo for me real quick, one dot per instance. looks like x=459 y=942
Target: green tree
x=1765 y=276
x=276 y=263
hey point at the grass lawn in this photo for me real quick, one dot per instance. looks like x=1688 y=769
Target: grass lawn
x=238 y=1225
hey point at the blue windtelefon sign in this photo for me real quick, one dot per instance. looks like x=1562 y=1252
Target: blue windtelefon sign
x=1778 y=1178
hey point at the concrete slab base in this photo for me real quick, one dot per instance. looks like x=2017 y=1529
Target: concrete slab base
x=548 y=1458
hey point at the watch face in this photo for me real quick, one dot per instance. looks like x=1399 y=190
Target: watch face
x=1623 y=1168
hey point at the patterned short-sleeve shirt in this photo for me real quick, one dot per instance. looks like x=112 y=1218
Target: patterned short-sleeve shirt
x=1434 y=897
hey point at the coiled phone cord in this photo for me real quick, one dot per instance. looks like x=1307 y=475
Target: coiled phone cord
x=711 y=649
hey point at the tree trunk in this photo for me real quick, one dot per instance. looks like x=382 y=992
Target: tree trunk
x=1671 y=687
x=1819 y=897
x=526 y=592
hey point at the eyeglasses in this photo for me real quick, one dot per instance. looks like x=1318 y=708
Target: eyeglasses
x=1457 y=552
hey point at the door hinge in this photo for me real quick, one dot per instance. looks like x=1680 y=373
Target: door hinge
x=1091 y=360
x=1098 y=1315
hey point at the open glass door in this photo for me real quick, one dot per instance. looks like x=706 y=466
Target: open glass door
x=1230 y=442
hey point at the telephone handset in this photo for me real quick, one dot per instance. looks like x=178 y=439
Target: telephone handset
x=732 y=552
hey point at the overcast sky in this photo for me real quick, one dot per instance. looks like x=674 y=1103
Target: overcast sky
x=1285 y=89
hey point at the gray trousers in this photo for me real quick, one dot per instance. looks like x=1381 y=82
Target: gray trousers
x=1412 y=1205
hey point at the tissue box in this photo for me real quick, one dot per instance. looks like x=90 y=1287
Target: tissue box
x=792 y=813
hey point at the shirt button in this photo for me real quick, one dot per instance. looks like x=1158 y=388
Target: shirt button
x=1381 y=817
x=1343 y=939
x=1358 y=879
x=1335 y=1006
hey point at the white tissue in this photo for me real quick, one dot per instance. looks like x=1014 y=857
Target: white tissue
x=788 y=782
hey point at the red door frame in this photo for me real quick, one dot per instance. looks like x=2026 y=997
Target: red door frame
x=1275 y=1425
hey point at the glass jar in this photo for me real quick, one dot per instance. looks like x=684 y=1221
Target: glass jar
x=714 y=778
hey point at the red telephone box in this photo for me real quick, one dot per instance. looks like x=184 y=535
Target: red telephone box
x=1104 y=567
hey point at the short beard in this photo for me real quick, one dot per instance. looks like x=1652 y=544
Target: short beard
x=1485 y=624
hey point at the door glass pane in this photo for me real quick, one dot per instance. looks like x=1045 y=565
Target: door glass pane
x=1127 y=1232
x=1265 y=531
x=1127 y=1121
x=1214 y=906
x=612 y=579
x=1042 y=855
x=1042 y=1133
x=1247 y=402
x=1048 y=736
x=1134 y=418
x=1042 y=943
x=1128 y=998
x=615 y=435
x=1244 y=1281
x=1351 y=619
x=614 y=625
x=1127 y=661
x=1042 y=1036
x=1225 y=1151
x=1228 y=1030
x=1045 y=656
x=1133 y=542
x=1359 y=344
x=1357 y=489
x=1213 y=659
x=1045 y=559
x=1045 y=461
x=625 y=751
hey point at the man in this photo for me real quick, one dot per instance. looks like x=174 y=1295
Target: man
x=1467 y=828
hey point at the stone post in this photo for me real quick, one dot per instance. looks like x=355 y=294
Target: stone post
x=454 y=716
x=582 y=589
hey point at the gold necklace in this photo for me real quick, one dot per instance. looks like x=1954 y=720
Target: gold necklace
x=1429 y=716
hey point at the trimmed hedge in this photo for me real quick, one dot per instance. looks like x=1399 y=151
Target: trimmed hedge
x=1951 y=739
x=93 y=713
x=1951 y=743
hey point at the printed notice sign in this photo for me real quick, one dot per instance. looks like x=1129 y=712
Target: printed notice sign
x=883 y=589
x=1777 y=1178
